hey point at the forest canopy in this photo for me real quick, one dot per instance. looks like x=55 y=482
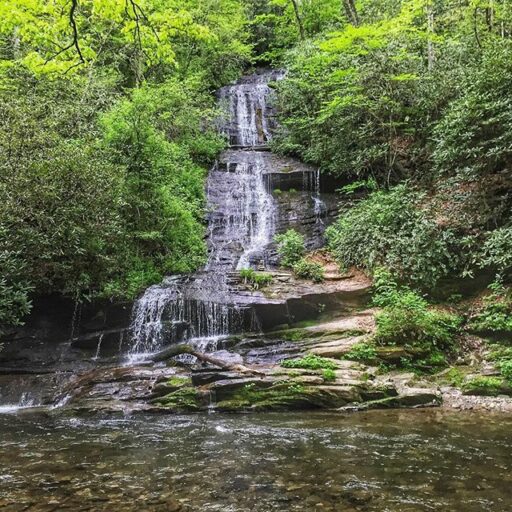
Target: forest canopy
x=108 y=129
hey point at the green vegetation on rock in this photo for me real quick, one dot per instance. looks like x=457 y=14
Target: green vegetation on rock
x=487 y=386
x=495 y=315
x=290 y=247
x=186 y=398
x=364 y=351
x=255 y=280
x=309 y=270
x=310 y=362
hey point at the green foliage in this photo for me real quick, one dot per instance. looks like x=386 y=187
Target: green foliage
x=455 y=377
x=497 y=250
x=496 y=312
x=290 y=247
x=363 y=351
x=329 y=375
x=391 y=98
x=135 y=40
x=483 y=386
x=105 y=141
x=14 y=292
x=309 y=270
x=274 y=26
x=502 y=356
x=164 y=177
x=310 y=362
x=255 y=279
x=390 y=229
x=406 y=318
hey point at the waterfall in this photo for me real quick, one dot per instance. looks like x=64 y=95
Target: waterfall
x=240 y=228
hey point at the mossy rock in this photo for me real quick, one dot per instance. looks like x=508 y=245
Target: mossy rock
x=187 y=398
x=290 y=396
x=168 y=386
x=412 y=398
x=487 y=386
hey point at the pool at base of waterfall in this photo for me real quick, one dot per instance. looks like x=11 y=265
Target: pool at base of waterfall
x=385 y=461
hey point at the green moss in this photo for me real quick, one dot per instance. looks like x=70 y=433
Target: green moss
x=186 y=399
x=285 y=395
x=310 y=362
x=179 y=382
x=364 y=351
x=329 y=375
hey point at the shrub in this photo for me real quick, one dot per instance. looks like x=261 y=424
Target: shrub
x=329 y=375
x=309 y=270
x=483 y=385
x=497 y=250
x=363 y=351
x=290 y=247
x=255 y=279
x=310 y=362
x=502 y=356
x=496 y=313
x=389 y=229
x=407 y=319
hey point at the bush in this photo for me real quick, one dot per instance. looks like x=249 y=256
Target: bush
x=255 y=279
x=483 y=386
x=329 y=375
x=310 y=362
x=407 y=319
x=309 y=270
x=496 y=313
x=363 y=351
x=502 y=356
x=290 y=247
x=497 y=250
x=390 y=229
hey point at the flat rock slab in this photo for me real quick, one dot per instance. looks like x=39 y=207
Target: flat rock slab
x=338 y=348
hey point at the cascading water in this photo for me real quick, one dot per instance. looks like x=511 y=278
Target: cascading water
x=240 y=227
x=250 y=121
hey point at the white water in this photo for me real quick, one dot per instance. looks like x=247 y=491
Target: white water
x=241 y=227
x=26 y=402
x=260 y=223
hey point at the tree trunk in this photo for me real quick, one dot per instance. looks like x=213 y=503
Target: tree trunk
x=177 y=350
x=430 y=45
x=351 y=12
x=299 y=19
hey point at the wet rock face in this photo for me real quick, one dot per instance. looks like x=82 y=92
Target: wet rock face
x=250 y=117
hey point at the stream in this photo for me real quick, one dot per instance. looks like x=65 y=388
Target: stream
x=382 y=461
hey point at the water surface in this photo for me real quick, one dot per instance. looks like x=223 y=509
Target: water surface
x=386 y=461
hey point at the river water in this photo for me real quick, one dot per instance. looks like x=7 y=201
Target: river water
x=385 y=461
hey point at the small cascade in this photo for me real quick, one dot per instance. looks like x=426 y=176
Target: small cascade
x=27 y=400
x=98 y=348
x=320 y=207
x=250 y=118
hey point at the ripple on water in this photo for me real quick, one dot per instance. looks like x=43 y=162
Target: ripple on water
x=380 y=461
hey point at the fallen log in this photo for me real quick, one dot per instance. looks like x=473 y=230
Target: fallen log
x=182 y=348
